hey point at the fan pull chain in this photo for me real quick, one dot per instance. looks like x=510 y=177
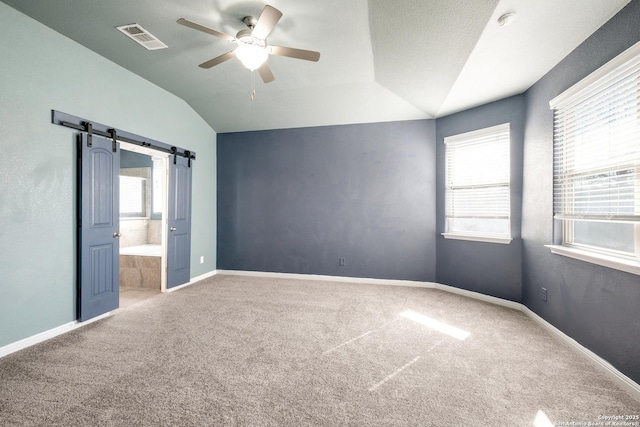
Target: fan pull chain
x=253 y=85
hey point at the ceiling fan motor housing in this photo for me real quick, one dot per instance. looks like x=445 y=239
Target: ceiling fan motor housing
x=245 y=37
x=250 y=21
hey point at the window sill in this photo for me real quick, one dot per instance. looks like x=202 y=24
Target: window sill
x=477 y=238
x=629 y=266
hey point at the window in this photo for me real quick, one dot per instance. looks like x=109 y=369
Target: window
x=477 y=194
x=596 y=164
x=132 y=196
x=157 y=173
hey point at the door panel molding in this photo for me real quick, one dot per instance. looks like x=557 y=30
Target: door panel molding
x=98 y=246
x=179 y=222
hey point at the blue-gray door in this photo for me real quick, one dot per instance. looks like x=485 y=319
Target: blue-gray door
x=98 y=246
x=179 y=241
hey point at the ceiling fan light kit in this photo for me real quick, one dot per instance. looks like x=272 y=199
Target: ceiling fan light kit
x=253 y=49
x=252 y=56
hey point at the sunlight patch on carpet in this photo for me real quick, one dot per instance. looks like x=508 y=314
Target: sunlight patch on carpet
x=352 y=340
x=393 y=374
x=542 y=420
x=452 y=331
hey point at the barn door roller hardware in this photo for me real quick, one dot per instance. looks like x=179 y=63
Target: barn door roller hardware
x=89 y=130
x=93 y=128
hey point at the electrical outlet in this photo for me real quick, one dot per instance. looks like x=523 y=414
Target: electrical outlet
x=342 y=261
x=202 y=259
x=544 y=294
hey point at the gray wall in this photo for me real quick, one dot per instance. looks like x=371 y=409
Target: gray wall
x=596 y=306
x=490 y=268
x=41 y=71
x=297 y=200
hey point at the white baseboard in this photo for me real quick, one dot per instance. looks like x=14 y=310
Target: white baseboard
x=193 y=280
x=70 y=326
x=612 y=373
x=481 y=297
x=616 y=376
x=43 y=336
x=409 y=283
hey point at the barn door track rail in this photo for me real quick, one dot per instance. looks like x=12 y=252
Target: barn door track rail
x=93 y=128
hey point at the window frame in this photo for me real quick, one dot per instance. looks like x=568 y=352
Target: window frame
x=564 y=243
x=468 y=138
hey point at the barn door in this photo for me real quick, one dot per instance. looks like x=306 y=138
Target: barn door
x=179 y=221
x=98 y=246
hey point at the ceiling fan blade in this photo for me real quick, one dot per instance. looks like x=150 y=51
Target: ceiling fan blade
x=204 y=29
x=218 y=60
x=266 y=22
x=265 y=73
x=307 y=55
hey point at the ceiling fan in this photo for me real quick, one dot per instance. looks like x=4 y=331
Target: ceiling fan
x=253 y=49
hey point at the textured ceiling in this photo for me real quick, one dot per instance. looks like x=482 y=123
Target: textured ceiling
x=381 y=60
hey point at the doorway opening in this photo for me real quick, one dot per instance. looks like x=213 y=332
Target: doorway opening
x=98 y=244
x=143 y=207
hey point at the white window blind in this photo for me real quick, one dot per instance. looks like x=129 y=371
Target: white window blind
x=477 y=190
x=158 y=178
x=597 y=145
x=132 y=196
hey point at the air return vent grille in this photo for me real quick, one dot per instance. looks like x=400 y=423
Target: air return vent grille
x=141 y=36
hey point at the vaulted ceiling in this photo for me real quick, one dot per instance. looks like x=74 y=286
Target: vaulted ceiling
x=381 y=60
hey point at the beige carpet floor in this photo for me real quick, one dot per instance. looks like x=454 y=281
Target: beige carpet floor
x=129 y=296
x=269 y=352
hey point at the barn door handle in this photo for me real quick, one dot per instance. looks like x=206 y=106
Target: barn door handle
x=172 y=229
x=116 y=235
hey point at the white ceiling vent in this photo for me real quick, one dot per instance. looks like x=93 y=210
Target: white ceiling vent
x=141 y=36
